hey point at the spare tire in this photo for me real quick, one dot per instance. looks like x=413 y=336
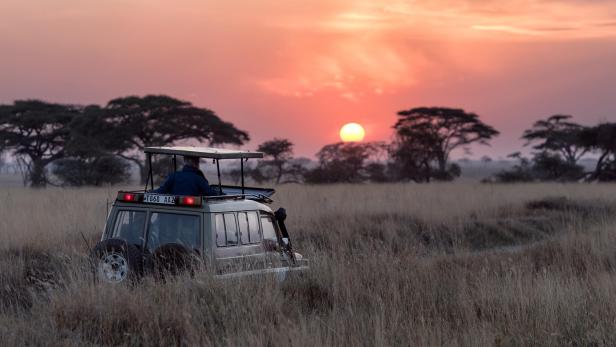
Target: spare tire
x=116 y=261
x=174 y=259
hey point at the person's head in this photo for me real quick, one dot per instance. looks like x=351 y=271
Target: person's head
x=191 y=161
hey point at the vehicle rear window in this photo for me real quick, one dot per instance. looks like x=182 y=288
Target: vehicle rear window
x=129 y=226
x=165 y=228
x=249 y=227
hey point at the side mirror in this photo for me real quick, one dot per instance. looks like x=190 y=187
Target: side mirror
x=281 y=214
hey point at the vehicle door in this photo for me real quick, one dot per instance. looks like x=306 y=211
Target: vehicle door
x=238 y=241
x=271 y=241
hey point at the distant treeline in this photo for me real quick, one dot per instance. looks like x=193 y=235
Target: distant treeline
x=72 y=145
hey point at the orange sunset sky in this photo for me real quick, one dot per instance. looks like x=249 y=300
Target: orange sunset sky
x=301 y=69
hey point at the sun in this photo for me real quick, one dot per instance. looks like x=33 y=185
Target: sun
x=352 y=132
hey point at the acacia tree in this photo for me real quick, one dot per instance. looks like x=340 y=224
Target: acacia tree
x=601 y=138
x=159 y=120
x=413 y=157
x=343 y=162
x=89 y=152
x=427 y=135
x=36 y=132
x=277 y=153
x=559 y=135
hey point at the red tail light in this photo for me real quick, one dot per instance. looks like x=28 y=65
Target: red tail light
x=129 y=197
x=190 y=201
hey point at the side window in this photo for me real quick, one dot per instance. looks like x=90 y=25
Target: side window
x=221 y=238
x=226 y=230
x=242 y=221
x=231 y=228
x=166 y=228
x=269 y=231
x=129 y=226
x=253 y=226
x=249 y=227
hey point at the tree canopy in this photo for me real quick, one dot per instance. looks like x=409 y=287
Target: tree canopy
x=89 y=152
x=559 y=135
x=277 y=154
x=427 y=135
x=159 y=120
x=343 y=162
x=602 y=139
x=37 y=133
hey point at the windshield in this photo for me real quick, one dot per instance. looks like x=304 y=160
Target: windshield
x=165 y=228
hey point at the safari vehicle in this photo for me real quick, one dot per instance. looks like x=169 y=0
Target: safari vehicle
x=232 y=234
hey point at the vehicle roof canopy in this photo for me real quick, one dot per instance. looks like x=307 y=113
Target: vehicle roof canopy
x=204 y=152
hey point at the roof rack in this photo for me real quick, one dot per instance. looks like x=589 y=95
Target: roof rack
x=255 y=197
x=204 y=152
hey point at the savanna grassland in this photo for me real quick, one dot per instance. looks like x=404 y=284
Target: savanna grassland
x=438 y=264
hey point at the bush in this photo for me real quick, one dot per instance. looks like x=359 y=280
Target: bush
x=96 y=172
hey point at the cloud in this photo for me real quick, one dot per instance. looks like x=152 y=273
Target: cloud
x=508 y=29
x=356 y=48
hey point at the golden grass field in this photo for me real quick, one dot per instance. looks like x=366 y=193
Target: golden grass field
x=396 y=264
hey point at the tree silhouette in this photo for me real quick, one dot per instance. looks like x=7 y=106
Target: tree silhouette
x=550 y=166
x=557 y=134
x=520 y=172
x=427 y=135
x=343 y=162
x=486 y=159
x=412 y=157
x=89 y=152
x=95 y=171
x=159 y=120
x=277 y=153
x=601 y=138
x=36 y=132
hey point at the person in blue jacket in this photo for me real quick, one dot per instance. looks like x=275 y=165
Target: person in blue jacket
x=188 y=181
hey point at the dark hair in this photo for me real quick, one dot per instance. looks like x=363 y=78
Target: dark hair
x=188 y=159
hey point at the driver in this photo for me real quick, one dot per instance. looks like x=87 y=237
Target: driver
x=188 y=181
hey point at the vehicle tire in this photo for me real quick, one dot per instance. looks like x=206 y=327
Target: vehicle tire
x=116 y=261
x=174 y=259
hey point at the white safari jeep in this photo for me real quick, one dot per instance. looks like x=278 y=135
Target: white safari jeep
x=233 y=234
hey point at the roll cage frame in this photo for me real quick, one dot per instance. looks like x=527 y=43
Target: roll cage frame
x=216 y=154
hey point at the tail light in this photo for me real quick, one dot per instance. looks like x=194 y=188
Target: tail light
x=189 y=201
x=130 y=197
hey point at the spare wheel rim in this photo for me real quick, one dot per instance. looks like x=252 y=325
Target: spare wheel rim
x=113 y=267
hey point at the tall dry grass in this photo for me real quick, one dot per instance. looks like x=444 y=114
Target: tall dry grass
x=443 y=264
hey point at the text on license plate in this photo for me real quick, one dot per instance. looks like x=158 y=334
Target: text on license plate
x=159 y=199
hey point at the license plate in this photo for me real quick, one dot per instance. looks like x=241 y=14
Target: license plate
x=159 y=199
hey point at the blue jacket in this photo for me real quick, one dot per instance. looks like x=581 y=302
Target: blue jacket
x=188 y=181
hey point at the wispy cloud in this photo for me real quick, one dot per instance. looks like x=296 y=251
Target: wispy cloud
x=368 y=45
x=508 y=29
